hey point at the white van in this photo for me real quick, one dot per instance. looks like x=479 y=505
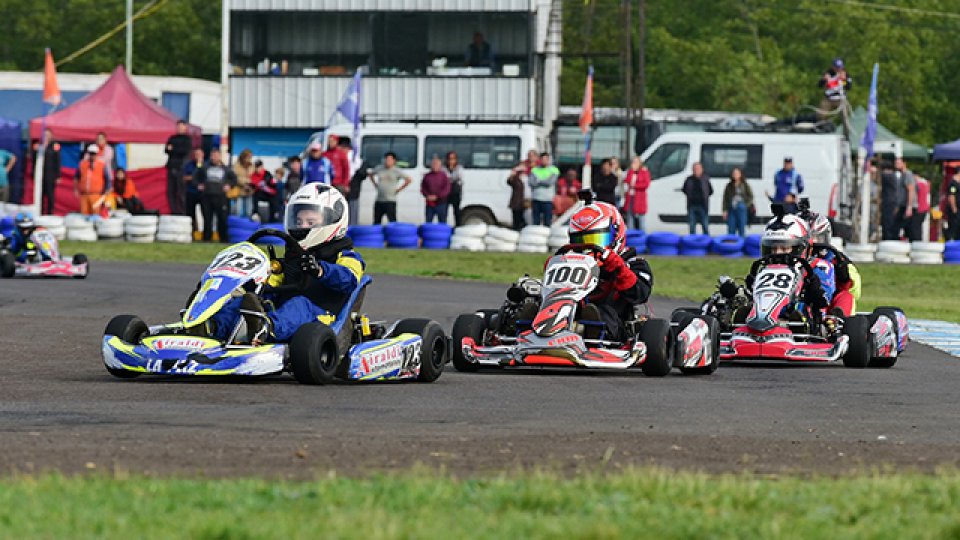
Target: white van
x=486 y=151
x=818 y=157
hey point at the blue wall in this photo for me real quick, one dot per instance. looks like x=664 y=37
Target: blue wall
x=270 y=142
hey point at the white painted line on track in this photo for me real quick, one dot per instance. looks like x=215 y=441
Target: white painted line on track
x=941 y=335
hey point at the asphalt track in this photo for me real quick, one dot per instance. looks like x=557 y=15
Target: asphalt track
x=60 y=410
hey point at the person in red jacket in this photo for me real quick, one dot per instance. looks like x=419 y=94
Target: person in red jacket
x=265 y=189
x=340 y=163
x=635 y=185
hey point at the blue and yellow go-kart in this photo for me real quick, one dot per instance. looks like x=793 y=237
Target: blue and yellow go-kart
x=349 y=348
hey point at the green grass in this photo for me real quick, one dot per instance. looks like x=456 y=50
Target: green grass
x=923 y=291
x=632 y=504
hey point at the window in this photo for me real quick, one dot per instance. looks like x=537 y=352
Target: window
x=720 y=159
x=375 y=146
x=668 y=159
x=176 y=102
x=475 y=152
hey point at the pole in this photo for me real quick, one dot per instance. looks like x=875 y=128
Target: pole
x=641 y=143
x=225 y=76
x=129 y=37
x=38 y=169
x=627 y=78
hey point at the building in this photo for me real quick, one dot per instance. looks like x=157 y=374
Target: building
x=290 y=62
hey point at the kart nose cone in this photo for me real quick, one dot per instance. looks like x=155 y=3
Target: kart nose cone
x=760 y=324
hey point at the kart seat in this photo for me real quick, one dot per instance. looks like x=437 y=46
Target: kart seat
x=351 y=305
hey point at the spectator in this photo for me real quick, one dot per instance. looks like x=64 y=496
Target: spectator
x=124 y=194
x=889 y=202
x=737 y=200
x=265 y=189
x=107 y=154
x=788 y=185
x=517 y=202
x=543 y=181
x=455 y=174
x=7 y=161
x=636 y=183
x=951 y=207
x=213 y=181
x=921 y=209
x=835 y=84
x=698 y=190
x=389 y=181
x=242 y=193
x=605 y=184
x=435 y=188
x=317 y=168
x=178 y=152
x=92 y=181
x=479 y=52
x=568 y=186
x=340 y=164
x=293 y=179
x=906 y=198
x=192 y=193
x=51 y=171
x=620 y=174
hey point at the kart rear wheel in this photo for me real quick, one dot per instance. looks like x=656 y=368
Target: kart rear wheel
x=433 y=352
x=860 y=348
x=80 y=258
x=8 y=265
x=891 y=313
x=467 y=325
x=130 y=329
x=713 y=333
x=313 y=354
x=657 y=335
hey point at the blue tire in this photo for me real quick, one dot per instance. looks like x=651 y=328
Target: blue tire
x=727 y=245
x=663 y=250
x=662 y=240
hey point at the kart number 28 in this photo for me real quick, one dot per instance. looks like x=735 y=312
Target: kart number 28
x=567 y=274
x=775 y=280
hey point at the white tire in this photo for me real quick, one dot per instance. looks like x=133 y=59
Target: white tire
x=49 y=221
x=532 y=248
x=141 y=238
x=82 y=235
x=926 y=258
x=143 y=221
x=176 y=220
x=504 y=235
x=110 y=232
x=501 y=246
x=166 y=228
x=59 y=233
x=76 y=221
x=468 y=244
x=893 y=247
x=535 y=231
x=477 y=230
x=175 y=238
x=892 y=258
x=926 y=247
x=140 y=230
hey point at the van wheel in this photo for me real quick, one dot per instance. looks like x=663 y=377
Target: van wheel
x=477 y=214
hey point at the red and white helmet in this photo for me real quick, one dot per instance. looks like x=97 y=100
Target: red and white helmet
x=820 y=230
x=316 y=214
x=787 y=233
x=599 y=224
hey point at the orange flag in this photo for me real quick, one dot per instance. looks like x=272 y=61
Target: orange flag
x=51 y=90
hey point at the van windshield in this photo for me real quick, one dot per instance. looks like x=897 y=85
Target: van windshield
x=668 y=159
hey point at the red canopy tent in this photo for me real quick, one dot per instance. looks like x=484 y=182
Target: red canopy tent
x=125 y=115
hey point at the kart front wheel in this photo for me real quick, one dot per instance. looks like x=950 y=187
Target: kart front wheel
x=433 y=351
x=79 y=259
x=713 y=334
x=891 y=313
x=656 y=334
x=860 y=348
x=313 y=354
x=8 y=265
x=130 y=329
x=468 y=325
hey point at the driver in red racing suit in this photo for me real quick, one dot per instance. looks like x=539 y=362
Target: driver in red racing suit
x=626 y=279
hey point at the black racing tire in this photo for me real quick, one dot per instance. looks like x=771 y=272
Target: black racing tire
x=860 y=349
x=713 y=333
x=8 y=264
x=433 y=351
x=891 y=313
x=658 y=336
x=489 y=317
x=467 y=325
x=130 y=329
x=681 y=317
x=80 y=258
x=314 y=358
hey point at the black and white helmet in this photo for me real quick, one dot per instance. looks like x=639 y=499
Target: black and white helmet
x=316 y=214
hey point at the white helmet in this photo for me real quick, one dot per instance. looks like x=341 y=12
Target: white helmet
x=820 y=230
x=316 y=214
x=789 y=232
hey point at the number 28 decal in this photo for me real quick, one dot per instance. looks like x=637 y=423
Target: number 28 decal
x=778 y=281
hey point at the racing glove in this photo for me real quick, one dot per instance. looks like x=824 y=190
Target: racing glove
x=613 y=265
x=310 y=266
x=813 y=293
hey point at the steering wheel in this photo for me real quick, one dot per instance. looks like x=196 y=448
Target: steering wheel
x=587 y=249
x=293 y=247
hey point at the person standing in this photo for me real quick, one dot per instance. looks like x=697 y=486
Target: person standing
x=92 y=181
x=294 y=176
x=7 y=161
x=340 y=164
x=698 y=190
x=889 y=202
x=178 y=152
x=107 y=153
x=479 y=52
x=389 y=181
x=455 y=174
x=921 y=210
x=568 y=186
x=213 y=181
x=620 y=173
x=906 y=197
x=835 y=83
x=435 y=188
x=517 y=200
x=543 y=180
x=51 y=171
x=951 y=207
x=192 y=193
x=241 y=194
x=788 y=185
x=605 y=185
x=265 y=189
x=636 y=183
x=737 y=199
x=317 y=168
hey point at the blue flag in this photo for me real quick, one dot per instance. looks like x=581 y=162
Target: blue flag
x=870 y=131
x=349 y=107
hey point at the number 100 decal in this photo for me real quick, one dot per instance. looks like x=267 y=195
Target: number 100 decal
x=574 y=275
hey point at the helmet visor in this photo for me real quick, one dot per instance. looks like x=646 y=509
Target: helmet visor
x=775 y=246
x=302 y=217
x=596 y=237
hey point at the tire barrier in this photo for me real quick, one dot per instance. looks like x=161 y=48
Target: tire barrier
x=401 y=235
x=727 y=245
x=367 y=236
x=435 y=235
x=861 y=253
x=637 y=239
x=139 y=229
x=534 y=239
x=695 y=245
x=926 y=252
x=751 y=246
x=175 y=229
x=663 y=243
x=951 y=252
x=469 y=237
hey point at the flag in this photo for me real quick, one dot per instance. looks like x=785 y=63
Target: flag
x=51 y=90
x=870 y=131
x=586 y=115
x=349 y=107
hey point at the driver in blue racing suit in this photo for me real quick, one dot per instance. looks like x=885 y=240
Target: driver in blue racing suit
x=20 y=240
x=316 y=216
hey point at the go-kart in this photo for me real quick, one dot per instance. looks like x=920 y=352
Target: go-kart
x=40 y=257
x=545 y=323
x=350 y=348
x=769 y=322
